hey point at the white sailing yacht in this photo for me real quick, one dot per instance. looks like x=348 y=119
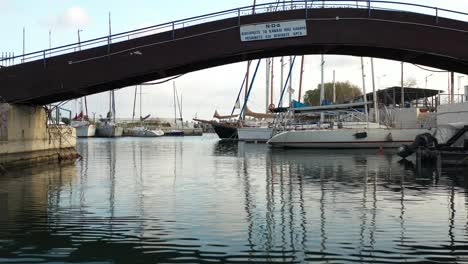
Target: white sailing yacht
x=142 y=131
x=348 y=135
x=108 y=126
x=177 y=104
x=82 y=125
x=261 y=130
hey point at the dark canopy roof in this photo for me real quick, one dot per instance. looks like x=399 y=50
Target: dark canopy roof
x=387 y=95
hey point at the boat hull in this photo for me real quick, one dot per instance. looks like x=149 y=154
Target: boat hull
x=254 y=134
x=345 y=138
x=225 y=131
x=174 y=133
x=86 y=131
x=142 y=132
x=109 y=131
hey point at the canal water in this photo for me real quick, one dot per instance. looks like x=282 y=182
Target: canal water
x=200 y=200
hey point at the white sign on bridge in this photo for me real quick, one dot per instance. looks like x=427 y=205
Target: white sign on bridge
x=274 y=30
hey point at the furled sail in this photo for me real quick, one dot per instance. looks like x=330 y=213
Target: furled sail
x=218 y=116
x=248 y=112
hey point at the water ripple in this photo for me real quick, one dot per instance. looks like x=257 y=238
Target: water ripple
x=200 y=200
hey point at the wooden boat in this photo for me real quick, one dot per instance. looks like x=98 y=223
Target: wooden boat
x=225 y=130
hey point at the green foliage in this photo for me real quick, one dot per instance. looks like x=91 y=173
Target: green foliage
x=66 y=121
x=345 y=91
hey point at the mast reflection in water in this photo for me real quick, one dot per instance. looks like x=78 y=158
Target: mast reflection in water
x=179 y=200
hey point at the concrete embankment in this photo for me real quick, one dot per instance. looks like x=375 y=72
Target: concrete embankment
x=26 y=139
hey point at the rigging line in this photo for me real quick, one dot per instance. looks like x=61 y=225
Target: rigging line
x=167 y=80
x=422 y=68
x=59 y=105
x=238 y=95
x=286 y=83
x=250 y=89
x=152 y=83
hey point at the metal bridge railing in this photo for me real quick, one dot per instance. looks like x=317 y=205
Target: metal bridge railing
x=240 y=12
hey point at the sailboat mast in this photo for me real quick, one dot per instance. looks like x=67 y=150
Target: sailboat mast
x=334 y=87
x=322 y=87
x=282 y=73
x=374 y=95
x=272 y=80
x=181 y=109
x=141 y=107
x=111 y=95
x=179 y=105
x=86 y=106
x=247 y=77
x=290 y=83
x=364 y=89
x=300 y=80
x=175 y=104
x=134 y=102
x=402 y=104
x=113 y=106
x=267 y=84
x=81 y=109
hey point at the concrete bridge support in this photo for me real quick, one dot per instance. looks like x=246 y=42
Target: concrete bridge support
x=27 y=140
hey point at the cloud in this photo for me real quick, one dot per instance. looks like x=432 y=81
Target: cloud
x=71 y=18
x=4 y=6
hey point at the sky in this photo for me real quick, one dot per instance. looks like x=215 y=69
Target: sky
x=204 y=91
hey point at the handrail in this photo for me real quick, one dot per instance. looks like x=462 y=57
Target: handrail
x=230 y=13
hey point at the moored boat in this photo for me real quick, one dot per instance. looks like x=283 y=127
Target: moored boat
x=144 y=132
x=225 y=130
x=87 y=130
x=345 y=138
x=175 y=133
x=84 y=128
x=109 y=129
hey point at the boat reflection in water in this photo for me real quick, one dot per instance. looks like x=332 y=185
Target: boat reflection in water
x=189 y=200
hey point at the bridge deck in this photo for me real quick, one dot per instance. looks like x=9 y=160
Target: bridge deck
x=404 y=36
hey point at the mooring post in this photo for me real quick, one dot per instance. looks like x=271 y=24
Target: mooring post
x=44 y=58
x=173 y=30
x=369 y=8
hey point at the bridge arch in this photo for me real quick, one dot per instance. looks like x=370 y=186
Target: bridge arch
x=411 y=37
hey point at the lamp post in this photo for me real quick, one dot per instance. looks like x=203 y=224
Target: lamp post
x=50 y=42
x=427 y=78
x=459 y=85
x=459 y=82
x=378 y=80
x=24 y=43
x=79 y=38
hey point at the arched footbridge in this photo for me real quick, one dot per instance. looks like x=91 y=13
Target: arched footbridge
x=383 y=29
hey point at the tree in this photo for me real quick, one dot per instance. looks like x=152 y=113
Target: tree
x=410 y=82
x=345 y=91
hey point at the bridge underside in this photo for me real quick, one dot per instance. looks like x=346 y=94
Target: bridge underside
x=403 y=36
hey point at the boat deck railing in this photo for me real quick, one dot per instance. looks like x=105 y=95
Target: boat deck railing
x=10 y=58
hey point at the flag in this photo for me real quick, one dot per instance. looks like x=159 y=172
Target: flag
x=237 y=105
